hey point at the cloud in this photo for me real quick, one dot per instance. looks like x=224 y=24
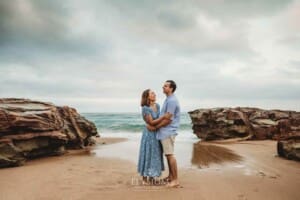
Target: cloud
x=100 y=55
x=34 y=31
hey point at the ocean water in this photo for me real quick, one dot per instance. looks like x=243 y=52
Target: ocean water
x=130 y=125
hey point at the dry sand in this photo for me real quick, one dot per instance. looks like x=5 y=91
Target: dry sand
x=257 y=174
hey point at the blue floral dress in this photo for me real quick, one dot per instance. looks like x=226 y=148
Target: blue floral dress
x=150 y=158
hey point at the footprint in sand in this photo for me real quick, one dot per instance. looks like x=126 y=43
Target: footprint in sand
x=98 y=171
x=242 y=197
x=274 y=176
x=65 y=187
x=262 y=174
x=104 y=187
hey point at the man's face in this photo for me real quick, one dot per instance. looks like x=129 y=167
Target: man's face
x=166 y=88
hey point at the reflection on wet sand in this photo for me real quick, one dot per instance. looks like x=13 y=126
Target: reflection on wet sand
x=206 y=154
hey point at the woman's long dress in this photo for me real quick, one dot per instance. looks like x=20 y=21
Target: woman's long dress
x=150 y=157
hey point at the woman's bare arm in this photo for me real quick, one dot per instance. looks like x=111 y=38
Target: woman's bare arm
x=149 y=120
x=164 y=122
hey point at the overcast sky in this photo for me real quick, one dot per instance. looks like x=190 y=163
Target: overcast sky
x=99 y=55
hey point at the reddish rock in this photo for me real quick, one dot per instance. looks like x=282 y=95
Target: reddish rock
x=31 y=129
x=244 y=122
x=289 y=148
x=250 y=123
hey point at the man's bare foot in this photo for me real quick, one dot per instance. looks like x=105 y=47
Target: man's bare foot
x=173 y=184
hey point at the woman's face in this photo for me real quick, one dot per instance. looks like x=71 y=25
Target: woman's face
x=152 y=96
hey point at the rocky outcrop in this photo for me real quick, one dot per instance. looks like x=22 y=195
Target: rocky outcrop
x=30 y=129
x=289 y=148
x=250 y=124
x=243 y=122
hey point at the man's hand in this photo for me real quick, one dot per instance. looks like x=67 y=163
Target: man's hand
x=151 y=128
x=167 y=115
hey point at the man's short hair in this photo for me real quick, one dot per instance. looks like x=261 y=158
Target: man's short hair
x=172 y=85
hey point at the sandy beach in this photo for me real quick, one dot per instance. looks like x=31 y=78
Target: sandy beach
x=108 y=171
x=84 y=83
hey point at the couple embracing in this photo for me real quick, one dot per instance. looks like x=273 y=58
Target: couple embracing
x=159 y=135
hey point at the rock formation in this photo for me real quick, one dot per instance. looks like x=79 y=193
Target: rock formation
x=250 y=124
x=30 y=129
x=289 y=148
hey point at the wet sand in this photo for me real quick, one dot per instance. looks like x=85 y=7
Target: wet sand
x=108 y=171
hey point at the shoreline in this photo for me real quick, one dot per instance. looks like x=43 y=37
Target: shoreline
x=86 y=174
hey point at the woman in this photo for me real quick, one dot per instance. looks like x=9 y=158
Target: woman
x=150 y=162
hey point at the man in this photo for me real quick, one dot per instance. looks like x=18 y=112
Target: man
x=167 y=130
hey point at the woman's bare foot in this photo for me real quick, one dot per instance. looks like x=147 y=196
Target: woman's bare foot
x=145 y=181
x=167 y=179
x=151 y=181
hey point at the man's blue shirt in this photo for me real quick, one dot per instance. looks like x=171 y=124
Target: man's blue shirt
x=170 y=105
